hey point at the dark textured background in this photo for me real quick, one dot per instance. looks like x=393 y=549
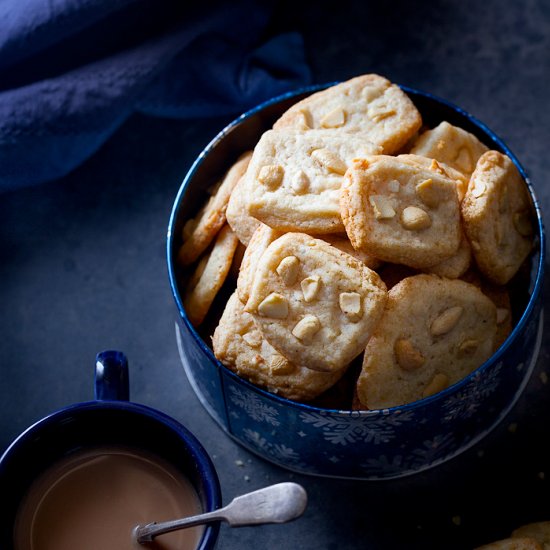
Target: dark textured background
x=82 y=268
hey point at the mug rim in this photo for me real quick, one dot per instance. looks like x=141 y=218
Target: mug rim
x=206 y=470
x=495 y=357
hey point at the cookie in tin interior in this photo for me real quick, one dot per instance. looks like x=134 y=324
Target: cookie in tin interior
x=314 y=303
x=293 y=180
x=434 y=332
x=369 y=105
x=238 y=218
x=497 y=216
x=200 y=231
x=451 y=145
x=400 y=212
x=209 y=276
x=240 y=346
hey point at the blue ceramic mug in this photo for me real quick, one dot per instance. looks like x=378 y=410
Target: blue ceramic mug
x=109 y=420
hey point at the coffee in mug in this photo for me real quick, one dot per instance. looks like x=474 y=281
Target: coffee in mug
x=95 y=498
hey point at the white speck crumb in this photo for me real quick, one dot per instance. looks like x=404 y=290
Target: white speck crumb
x=543 y=377
x=239 y=463
x=457 y=520
x=541 y=475
x=512 y=428
x=247 y=478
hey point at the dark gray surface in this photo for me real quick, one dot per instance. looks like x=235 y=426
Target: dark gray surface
x=82 y=268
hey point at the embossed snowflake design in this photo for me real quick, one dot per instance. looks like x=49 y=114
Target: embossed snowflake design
x=351 y=429
x=382 y=466
x=254 y=407
x=433 y=450
x=467 y=403
x=487 y=382
x=277 y=451
x=460 y=405
x=430 y=451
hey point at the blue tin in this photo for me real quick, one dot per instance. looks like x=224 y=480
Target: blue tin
x=378 y=444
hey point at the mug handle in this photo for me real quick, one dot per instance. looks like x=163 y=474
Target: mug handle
x=111 y=376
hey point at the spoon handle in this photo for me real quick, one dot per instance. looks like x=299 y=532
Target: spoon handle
x=274 y=504
x=146 y=533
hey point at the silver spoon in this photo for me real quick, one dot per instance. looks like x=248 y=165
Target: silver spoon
x=274 y=504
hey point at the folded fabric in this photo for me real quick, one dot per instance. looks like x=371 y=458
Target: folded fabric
x=71 y=71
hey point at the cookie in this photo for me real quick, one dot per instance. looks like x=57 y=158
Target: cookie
x=209 y=276
x=501 y=298
x=199 y=232
x=433 y=332
x=539 y=531
x=264 y=236
x=370 y=105
x=341 y=242
x=497 y=217
x=451 y=145
x=399 y=212
x=314 y=303
x=196 y=275
x=455 y=266
x=293 y=180
x=523 y=543
x=240 y=346
x=261 y=239
x=238 y=218
x=441 y=168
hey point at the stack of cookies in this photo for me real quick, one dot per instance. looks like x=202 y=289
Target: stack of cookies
x=358 y=234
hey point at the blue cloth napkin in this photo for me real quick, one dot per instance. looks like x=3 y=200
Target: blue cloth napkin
x=71 y=71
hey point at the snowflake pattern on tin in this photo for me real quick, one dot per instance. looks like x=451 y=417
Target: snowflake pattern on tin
x=435 y=449
x=466 y=403
x=383 y=465
x=460 y=405
x=277 y=451
x=374 y=429
x=253 y=406
x=486 y=382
